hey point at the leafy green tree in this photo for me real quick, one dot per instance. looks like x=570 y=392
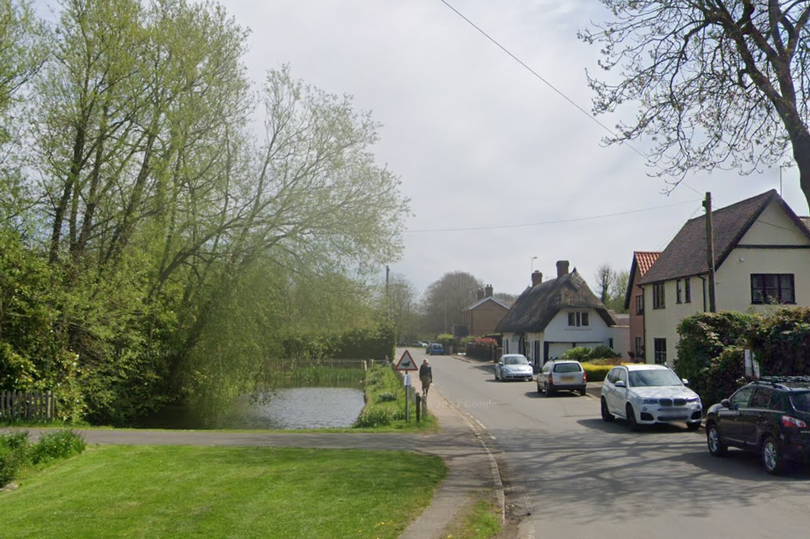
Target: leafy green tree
x=719 y=84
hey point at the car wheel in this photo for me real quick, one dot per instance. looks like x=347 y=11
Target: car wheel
x=547 y=391
x=716 y=446
x=771 y=456
x=582 y=392
x=693 y=426
x=607 y=417
x=631 y=418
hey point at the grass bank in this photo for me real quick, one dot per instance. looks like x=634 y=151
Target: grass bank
x=385 y=404
x=184 y=492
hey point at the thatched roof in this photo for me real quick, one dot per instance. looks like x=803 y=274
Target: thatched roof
x=538 y=305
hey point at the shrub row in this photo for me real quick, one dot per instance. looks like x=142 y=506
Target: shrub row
x=711 y=348
x=583 y=353
x=17 y=451
x=596 y=373
x=385 y=399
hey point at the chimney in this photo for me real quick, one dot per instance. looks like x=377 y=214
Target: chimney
x=537 y=278
x=489 y=291
x=562 y=268
x=480 y=294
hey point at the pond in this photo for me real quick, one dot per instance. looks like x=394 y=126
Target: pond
x=289 y=408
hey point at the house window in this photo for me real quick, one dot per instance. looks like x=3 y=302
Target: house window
x=639 y=348
x=772 y=288
x=577 y=319
x=658 y=296
x=687 y=290
x=640 y=304
x=660 y=346
x=678 y=291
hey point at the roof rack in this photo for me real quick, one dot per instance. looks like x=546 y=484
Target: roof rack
x=782 y=380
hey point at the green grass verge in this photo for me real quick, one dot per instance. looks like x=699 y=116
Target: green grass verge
x=481 y=522
x=385 y=404
x=223 y=492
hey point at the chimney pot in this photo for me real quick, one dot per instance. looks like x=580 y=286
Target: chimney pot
x=537 y=278
x=562 y=268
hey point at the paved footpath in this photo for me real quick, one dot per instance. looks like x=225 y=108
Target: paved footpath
x=470 y=468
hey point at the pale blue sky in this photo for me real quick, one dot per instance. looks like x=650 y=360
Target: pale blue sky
x=480 y=142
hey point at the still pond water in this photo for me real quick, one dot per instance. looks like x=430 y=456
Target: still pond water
x=290 y=408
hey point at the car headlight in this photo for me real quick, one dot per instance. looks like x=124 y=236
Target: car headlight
x=642 y=400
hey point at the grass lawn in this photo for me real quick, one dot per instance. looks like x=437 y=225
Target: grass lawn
x=217 y=492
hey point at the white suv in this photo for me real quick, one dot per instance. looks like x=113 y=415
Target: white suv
x=648 y=394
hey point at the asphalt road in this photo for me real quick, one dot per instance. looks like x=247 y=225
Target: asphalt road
x=569 y=474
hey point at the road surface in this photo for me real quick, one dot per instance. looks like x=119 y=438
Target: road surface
x=568 y=474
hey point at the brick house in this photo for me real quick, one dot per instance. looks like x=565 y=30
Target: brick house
x=483 y=316
x=634 y=300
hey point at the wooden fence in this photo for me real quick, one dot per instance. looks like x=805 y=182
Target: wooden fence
x=27 y=405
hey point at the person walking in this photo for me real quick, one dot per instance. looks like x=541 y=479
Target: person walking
x=425 y=376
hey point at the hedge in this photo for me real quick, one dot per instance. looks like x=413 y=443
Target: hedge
x=596 y=373
x=710 y=351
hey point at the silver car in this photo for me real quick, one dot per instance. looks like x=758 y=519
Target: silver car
x=514 y=367
x=562 y=374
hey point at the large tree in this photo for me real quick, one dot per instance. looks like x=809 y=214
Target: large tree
x=179 y=246
x=719 y=83
x=445 y=298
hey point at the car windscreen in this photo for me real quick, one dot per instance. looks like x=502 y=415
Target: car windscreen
x=515 y=361
x=567 y=367
x=801 y=401
x=653 y=378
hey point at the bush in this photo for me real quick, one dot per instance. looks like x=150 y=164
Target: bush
x=705 y=336
x=14 y=454
x=60 y=444
x=580 y=353
x=725 y=374
x=378 y=417
x=605 y=352
x=386 y=397
x=781 y=341
x=596 y=373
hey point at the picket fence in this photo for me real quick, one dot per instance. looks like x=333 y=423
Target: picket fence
x=27 y=405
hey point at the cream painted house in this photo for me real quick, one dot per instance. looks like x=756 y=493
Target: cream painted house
x=762 y=258
x=552 y=316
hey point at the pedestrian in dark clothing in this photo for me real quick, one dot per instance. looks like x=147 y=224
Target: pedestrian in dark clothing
x=425 y=376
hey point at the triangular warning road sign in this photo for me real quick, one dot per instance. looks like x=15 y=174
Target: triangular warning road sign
x=406 y=363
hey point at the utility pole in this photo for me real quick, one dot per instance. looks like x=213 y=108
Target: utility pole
x=707 y=204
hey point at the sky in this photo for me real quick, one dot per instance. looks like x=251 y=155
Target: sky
x=504 y=175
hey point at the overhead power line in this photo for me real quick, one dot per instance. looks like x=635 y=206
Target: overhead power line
x=589 y=218
x=547 y=83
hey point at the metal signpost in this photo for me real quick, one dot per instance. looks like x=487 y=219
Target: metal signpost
x=406 y=364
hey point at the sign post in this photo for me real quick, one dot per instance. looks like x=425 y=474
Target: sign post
x=407 y=364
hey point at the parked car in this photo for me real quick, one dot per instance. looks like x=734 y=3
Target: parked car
x=649 y=394
x=561 y=374
x=768 y=416
x=423 y=344
x=435 y=349
x=514 y=367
